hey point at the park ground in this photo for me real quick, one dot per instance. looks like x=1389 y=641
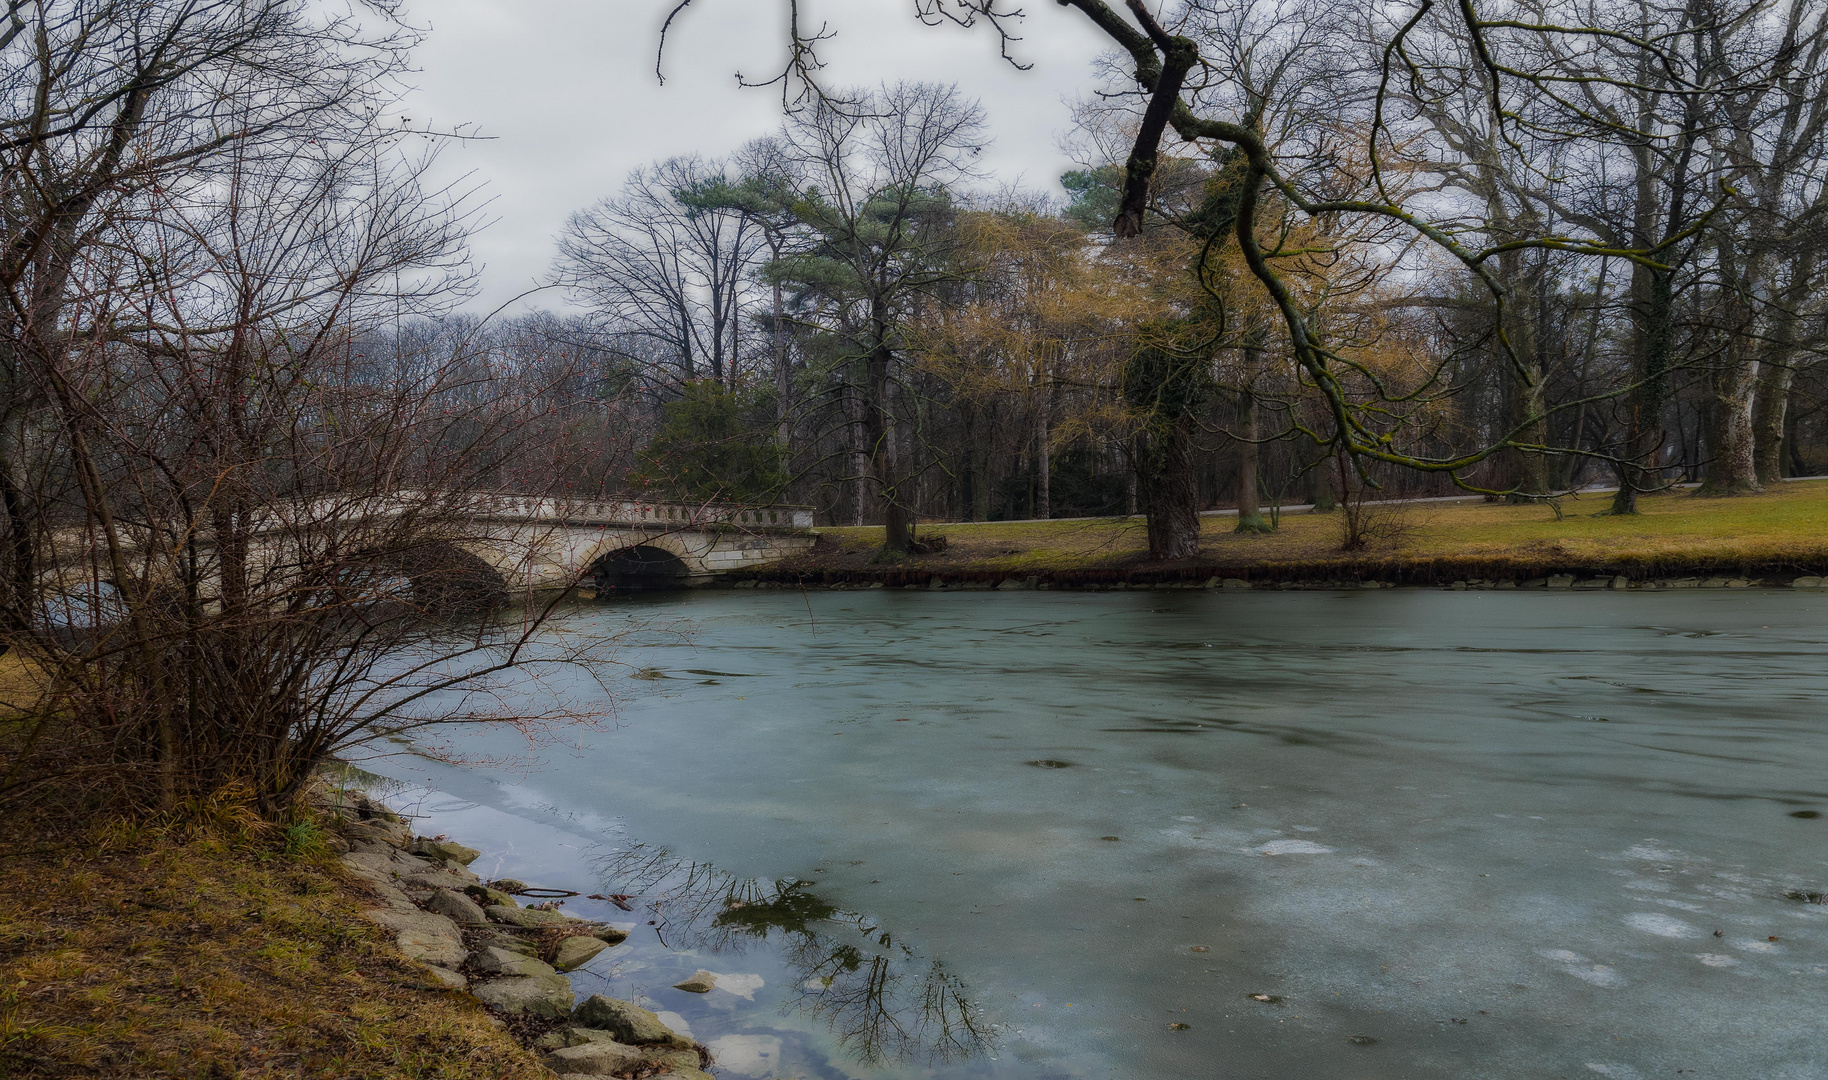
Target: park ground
x=218 y=947
x=1782 y=530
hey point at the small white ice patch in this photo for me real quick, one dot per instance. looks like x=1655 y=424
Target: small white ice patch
x=1716 y=960
x=1756 y=946
x=1586 y=971
x=1294 y=847
x=1617 y=1072
x=1661 y=925
x=676 y=1022
x=1306 y=828
x=1600 y=975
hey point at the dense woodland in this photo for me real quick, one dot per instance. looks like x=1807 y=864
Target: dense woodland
x=1312 y=253
x=847 y=313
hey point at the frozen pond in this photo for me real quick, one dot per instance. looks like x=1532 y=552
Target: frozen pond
x=1385 y=834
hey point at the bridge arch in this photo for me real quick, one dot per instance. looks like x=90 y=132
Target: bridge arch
x=637 y=567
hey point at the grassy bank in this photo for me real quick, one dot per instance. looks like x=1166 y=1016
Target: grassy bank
x=1784 y=530
x=226 y=950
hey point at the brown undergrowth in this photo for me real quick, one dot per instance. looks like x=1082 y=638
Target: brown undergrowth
x=221 y=948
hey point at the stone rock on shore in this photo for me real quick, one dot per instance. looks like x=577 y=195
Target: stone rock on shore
x=628 y=1022
x=701 y=982
x=525 y=916
x=424 y=936
x=427 y=847
x=604 y=1058
x=536 y=995
x=576 y=951
x=488 y=897
x=456 y=907
x=498 y=961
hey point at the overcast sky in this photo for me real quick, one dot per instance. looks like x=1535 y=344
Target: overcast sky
x=565 y=91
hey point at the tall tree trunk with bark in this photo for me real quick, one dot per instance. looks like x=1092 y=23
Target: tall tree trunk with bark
x=1166 y=389
x=1168 y=489
x=879 y=434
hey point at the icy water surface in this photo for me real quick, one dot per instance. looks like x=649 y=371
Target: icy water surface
x=1383 y=834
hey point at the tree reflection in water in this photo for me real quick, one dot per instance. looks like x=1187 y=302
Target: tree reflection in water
x=881 y=1000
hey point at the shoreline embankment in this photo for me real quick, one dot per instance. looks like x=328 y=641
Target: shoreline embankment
x=475 y=936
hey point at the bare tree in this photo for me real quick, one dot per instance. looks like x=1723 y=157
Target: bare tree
x=670 y=261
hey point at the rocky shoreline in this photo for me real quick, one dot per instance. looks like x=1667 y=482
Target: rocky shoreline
x=471 y=936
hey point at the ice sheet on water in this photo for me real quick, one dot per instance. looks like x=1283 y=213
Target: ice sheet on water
x=1573 y=963
x=1662 y=925
x=1294 y=847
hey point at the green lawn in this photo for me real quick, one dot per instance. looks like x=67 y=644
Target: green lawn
x=1786 y=526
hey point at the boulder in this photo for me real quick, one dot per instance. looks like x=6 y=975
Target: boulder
x=446 y=978
x=486 y=896
x=1806 y=583
x=677 y=1062
x=494 y=960
x=536 y=995
x=1620 y=581
x=439 y=878
x=440 y=850
x=509 y=885
x=1234 y=583
x=415 y=921
x=433 y=949
x=456 y=907
x=1561 y=581
x=611 y=935
x=424 y=936
x=598 y=1059
x=501 y=938
x=375 y=830
x=701 y=982
x=514 y=916
x=1714 y=583
x=576 y=951
x=628 y=1022
x=457 y=869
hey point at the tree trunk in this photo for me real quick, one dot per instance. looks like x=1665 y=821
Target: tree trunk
x=783 y=382
x=1731 y=470
x=1655 y=330
x=1044 y=463
x=1776 y=373
x=1167 y=485
x=859 y=454
x=880 y=435
x=1250 y=505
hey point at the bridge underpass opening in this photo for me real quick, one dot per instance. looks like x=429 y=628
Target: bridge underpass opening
x=639 y=568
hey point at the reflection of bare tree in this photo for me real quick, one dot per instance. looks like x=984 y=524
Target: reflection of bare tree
x=881 y=999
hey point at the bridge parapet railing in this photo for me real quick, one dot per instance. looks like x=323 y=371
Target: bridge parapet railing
x=635 y=512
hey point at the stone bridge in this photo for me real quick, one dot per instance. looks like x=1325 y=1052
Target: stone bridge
x=542 y=543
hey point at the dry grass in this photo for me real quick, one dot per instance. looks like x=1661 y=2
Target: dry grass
x=233 y=953
x=1788 y=524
